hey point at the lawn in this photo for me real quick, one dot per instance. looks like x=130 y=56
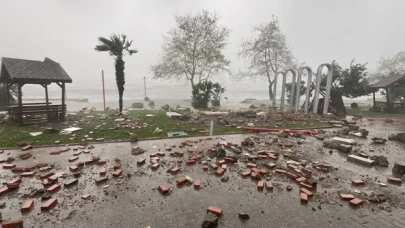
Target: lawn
x=366 y=113
x=12 y=134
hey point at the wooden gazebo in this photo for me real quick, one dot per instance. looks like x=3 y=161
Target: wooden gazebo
x=20 y=72
x=387 y=83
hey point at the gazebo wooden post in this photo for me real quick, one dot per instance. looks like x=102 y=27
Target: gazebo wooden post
x=20 y=114
x=374 y=101
x=47 y=100
x=63 y=101
x=7 y=95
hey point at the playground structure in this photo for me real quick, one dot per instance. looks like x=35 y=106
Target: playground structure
x=296 y=86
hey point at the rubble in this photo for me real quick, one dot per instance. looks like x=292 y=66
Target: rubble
x=380 y=161
x=378 y=140
x=398 y=170
x=210 y=220
x=360 y=160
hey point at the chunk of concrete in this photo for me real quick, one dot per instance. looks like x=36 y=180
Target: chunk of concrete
x=360 y=160
x=173 y=115
x=344 y=141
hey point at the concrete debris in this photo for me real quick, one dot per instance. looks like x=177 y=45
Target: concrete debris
x=360 y=160
x=225 y=178
x=378 y=140
x=210 y=220
x=243 y=215
x=343 y=141
x=380 y=160
x=398 y=170
x=399 y=137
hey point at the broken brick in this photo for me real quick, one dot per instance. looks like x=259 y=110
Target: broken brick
x=3 y=190
x=229 y=160
x=25 y=155
x=305 y=185
x=306 y=171
x=53 y=188
x=8 y=166
x=272 y=156
x=73 y=168
x=260 y=185
x=263 y=171
x=223 y=166
x=205 y=168
x=117 y=173
x=256 y=170
x=394 y=180
x=48 y=204
x=291 y=175
x=27 y=147
x=251 y=165
x=245 y=174
x=292 y=166
x=214 y=166
x=269 y=185
x=190 y=150
x=270 y=165
x=301 y=179
x=12 y=224
x=220 y=171
x=28 y=174
x=304 y=197
x=101 y=179
x=180 y=154
x=221 y=162
x=306 y=191
x=155 y=166
x=280 y=171
x=181 y=181
x=27 y=206
x=72 y=159
x=358 y=182
x=15 y=180
x=17 y=169
x=197 y=184
x=190 y=162
x=103 y=171
x=356 y=202
x=117 y=166
x=13 y=185
x=46 y=175
x=346 y=196
x=163 y=189
x=215 y=210
x=70 y=182
x=256 y=176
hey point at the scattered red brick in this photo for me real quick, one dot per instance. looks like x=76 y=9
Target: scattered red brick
x=220 y=171
x=117 y=173
x=163 y=189
x=101 y=179
x=190 y=150
x=55 y=152
x=271 y=165
x=73 y=168
x=86 y=151
x=15 y=180
x=155 y=166
x=48 y=204
x=77 y=153
x=306 y=191
x=8 y=166
x=53 y=188
x=27 y=147
x=346 y=196
x=256 y=176
x=256 y=170
x=322 y=169
x=175 y=170
x=181 y=181
x=306 y=171
x=161 y=154
x=215 y=210
x=305 y=185
x=272 y=156
x=180 y=154
x=229 y=160
x=223 y=166
x=280 y=171
x=260 y=186
x=269 y=185
x=205 y=168
x=304 y=197
x=263 y=171
x=3 y=190
x=221 y=162
x=12 y=224
x=291 y=175
x=356 y=202
x=358 y=182
x=251 y=165
x=72 y=159
x=197 y=184
x=25 y=155
x=103 y=171
x=394 y=180
x=245 y=174
x=28 y=174
x=64 y=150
x=301 y=179
x=298 y=171
x=214 y=166
x=27 y=206
x=117 y=166
x=46 y=175
x=17 y=169
x=292 y=166
x=190 y=162
x=13 y=185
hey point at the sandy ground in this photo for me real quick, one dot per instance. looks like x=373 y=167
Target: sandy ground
x=134 y=201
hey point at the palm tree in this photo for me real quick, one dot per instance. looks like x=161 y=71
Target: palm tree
x=117 y=46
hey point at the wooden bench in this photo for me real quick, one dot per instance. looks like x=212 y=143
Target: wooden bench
x=36 y=112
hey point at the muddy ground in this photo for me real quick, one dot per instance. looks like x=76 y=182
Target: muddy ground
x=133 y=199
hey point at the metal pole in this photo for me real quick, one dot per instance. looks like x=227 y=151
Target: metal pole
x=212 y=128
x=102 y=76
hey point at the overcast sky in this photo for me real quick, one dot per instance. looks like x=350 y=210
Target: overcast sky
x=318 y=31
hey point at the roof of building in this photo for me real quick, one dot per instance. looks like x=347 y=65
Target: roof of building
x=32 y=72
x=395 y=80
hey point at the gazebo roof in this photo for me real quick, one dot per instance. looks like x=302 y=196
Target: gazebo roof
x=32 y=72
x=396 y=80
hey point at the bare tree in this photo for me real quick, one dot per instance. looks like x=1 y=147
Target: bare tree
x=193 y=50
x=267 y=53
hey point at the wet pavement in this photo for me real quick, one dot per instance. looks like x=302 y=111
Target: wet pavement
x=134 y=200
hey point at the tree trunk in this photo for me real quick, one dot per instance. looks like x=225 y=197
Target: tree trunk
x=271 y=91
x=337 y=103
x=120 y=77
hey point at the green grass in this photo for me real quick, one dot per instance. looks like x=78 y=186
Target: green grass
x=12 y=134
x=370 y=114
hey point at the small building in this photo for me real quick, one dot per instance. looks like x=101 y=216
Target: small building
x=387 y=83
x=20 y=72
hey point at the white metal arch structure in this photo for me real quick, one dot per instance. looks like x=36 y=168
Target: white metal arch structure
x=275 y=87
x=282 y=90
x=298 y=89
x=328 y=88
x=294 y=75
